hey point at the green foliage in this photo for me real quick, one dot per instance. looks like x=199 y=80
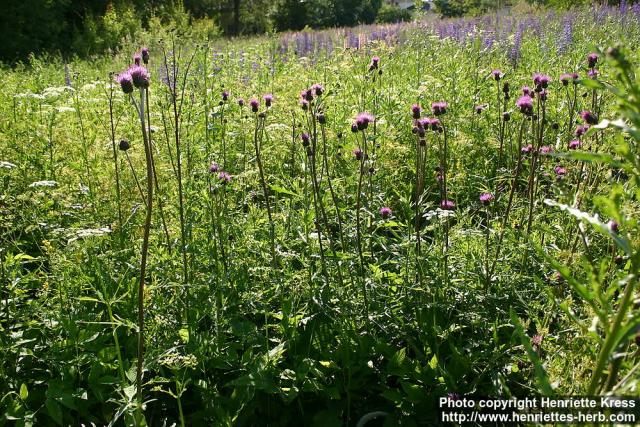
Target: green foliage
x=391 y=14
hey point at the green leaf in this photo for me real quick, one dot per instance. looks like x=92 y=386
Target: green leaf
x=24 y=392
x=282 y=190
x=54 y=410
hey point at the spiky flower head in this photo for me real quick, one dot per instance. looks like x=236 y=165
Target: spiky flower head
x=439 y=108
x=375 y=63
x=144 y=52
x=317 y=89
x=589 y=117
x=224 y=178
x=568 y=77
x=416 y=110
x=305 y=139
x=592 y=73
x=268 y=99
x=125 y=81
x=363 y=119
x=358 y=153
x=581 y=130
x=241 y=102
x=124 y=145
x=545 y=149
x=592 y=60
x=574 y=144
x=527 y=149
x=448 y=205
x=525 y=104
x=480 y=108
x=255 y=105
x=541 y=80
x=497 y=74
x=543 y=94
x=526 y=90
x=140 y=77
x=486 y=198
x=137 y=59
x=214 y=167
x=225 y=95
x=385 y=212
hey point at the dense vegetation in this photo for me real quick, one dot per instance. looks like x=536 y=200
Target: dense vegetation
x=316 y=227
x=88 y=27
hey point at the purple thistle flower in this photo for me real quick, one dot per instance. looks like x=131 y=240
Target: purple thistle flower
x=447 y=205
x=137 y=59
x=614 y=226
x=140 y=76
x=214 y=167
x=559 y=170
x=574 y=144
x=526 y=91
x=581 y=130
x=592 y=60
x=268 y=99
x=241 y=102
x=305 y=139
x=439 y=108
x=525 y=104
x=357 y=153
x=497 y=74
x=363 y=119
x=385 y=212
x=545 y=149
x=317 y=89
x=416 y=110
x=255 y=105
x=541 y=80
x=486 y=198
x=224 y=178
x=307 y=95
x=375 y=63
x=592 y=73
x=527 y=149
x=536 y=341
x=225 y=95
x=304 y=104
x=480 y=108
x=543 y=94
x=125 y=81
x=354 y=127
x=567 y=77
x=144 y=52
x=589 y=117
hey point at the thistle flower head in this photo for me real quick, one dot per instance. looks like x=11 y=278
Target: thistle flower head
x=416 y=110
x=486 y=198
x=224 y=178
x=541 y=80
x=317 y=89
x=559 y=170
x=214 y=167
x=568 y=77
x=358 y=153
x=255 y=105
x=137 y=59
x=447 y=205
x=527 y=149
x=124 y=145
x=363 y=119
x=543 y=94
x=574 y=144
x=592 y=73
x=545 y=149
x=268 y=99
x=525 y=104
x=125 y=81
x=225 y=95
x=241 y=102
x=592 y=60
x=497 y=74
x=614 y=226
x=144 y=52
x=140 y=76
x=581 y=130
x=307 y=95
x=526 y=91
x=305 y=139
x=354 y=127
x=375 y=63
x=385 y=212
x=304 y=104
x=536 y=341
x=439 y=108
x=480 y=108
x=589 y=117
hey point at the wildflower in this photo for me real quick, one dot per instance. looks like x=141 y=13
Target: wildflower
x=416 y=110
x=581 y=130
x=536 y=341
x=305 y=139
x=506 y=116
x=545 y=149
x=486 y=198
x=592 y=60
x=589 y=117
x=541 y=81
x=268 y=99
x=137 y=59
x=357 y=153
x=126 y=82
x=214 y=167
x=304 y=104
x=439 y=108
x=354 y=128
x=144 y=52
x=225 y=95
x=567 y=77
x=543 y=95
x=224 y=178
x=560 y=172
x=527 y=149
x=614 y=226
x=525 y=104
x=480 y=108
x=317 y=89
x=140 y=76
x=375 y=63
x=322 y=119
x=385 y=212
x=448 y=205
x=574 y=144
x=363 y=120
x=307 y=95
x=124 y=145
x=241 y=102
x=593 y=73
x=255 y=104
x=526 y=91
x=506 y=88
x=497 y=74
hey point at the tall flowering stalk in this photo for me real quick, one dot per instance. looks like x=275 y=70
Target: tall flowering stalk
x=138 y=77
